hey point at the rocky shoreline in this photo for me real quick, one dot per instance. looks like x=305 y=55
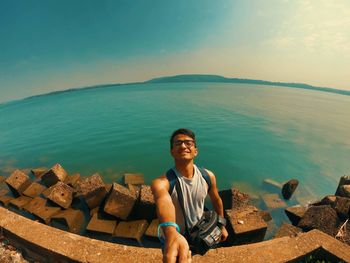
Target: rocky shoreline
x=8 y=253
x=126 y=213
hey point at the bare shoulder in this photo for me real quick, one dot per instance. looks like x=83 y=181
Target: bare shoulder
x=160 y=182
x=211 y=174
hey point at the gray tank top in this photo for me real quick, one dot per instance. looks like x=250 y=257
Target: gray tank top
x=194 y=191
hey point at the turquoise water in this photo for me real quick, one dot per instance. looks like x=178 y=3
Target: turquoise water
x=245 y=133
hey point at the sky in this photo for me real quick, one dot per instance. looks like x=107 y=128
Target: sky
x=50 y=45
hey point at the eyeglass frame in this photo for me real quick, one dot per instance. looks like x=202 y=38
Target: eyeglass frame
x=188 y=143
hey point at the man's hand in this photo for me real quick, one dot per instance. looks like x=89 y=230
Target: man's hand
x=224 y=234
x=176 y=249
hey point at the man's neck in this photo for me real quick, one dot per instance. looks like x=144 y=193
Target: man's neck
x=186 y=169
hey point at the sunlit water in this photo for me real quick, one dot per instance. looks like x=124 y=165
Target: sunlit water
x=245 y=133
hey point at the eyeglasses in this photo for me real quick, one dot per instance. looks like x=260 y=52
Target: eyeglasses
x=188 y=143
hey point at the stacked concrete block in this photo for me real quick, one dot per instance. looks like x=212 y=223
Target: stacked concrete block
x=74 y=219
x=132 y=229
x=18 y=182
x=20 y=202
x=288 y=230
x=61 y=194
x=92 y=190
x=146 y=206
x=233 y=198
x=134 y=179
x=34 y=190
x=295 y=213
x=97 y=224
x=152 y=230
x=55 y=174
x=72 y=180
x=120 y=201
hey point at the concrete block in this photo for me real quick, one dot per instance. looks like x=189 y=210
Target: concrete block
x=20 y=202
x=131 y=229
x=34 y=190
x=135 y=179
x=35 y=204
x=289 y=188
x=295 y=213
x=322 y=217
x=2 y=178
x=245 y=225
x=101 y=225
x=120 y=202
x=233 y=198
x=5 y=200
x=344 y=180
x=146 y=207
x=72 y=180
x=55 y=174
x=18 y=182
x=272 y=201
x=265 y=215
x=39 y=172
x=152 y=230
x=276 y=186
x=343 y=207
x=74 y=219
x=61 y=194
x=92 y=190
x=45 y=213
x=288 y=230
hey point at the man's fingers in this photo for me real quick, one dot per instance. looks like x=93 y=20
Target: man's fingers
x=183 y=254
x=170 y=255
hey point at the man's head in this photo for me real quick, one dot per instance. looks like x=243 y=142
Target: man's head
x=182 y=131
x=183 y=144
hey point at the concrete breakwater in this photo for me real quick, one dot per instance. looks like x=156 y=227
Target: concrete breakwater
x=126 y=214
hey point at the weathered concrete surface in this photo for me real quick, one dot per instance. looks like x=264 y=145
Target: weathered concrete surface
x=57 y=245
x=55 y=174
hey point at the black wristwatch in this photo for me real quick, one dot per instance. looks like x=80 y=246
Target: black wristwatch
x=221 y=221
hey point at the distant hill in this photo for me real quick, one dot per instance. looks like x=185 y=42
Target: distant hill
x=217 y=78
x=198 y=78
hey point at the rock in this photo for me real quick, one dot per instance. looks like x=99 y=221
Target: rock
x=344 y=180
x=120 y=201
x=61 y=194
x=289 y=188
x=272 y=201
x=72 y=180
x=55 y=174
x=344 y=191
x=152 y=230
x=18 y=181
x=322 y=217
x=295 y=213
x=245 y=225
x=92 y=189
x=343 y=207
x=288 y=230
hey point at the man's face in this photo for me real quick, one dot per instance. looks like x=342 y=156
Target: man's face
x=184 y=148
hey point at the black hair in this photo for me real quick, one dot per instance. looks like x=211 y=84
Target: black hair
x=183 y=131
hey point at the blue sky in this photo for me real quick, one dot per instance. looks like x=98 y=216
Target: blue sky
x=54 y=45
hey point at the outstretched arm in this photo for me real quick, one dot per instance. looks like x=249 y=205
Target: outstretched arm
x=217 y=202
x=176 y=245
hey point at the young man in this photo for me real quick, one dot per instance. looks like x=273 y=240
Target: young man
x=194 y=187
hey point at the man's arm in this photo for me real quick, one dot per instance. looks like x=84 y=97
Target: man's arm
x=217 y=202
x=176 y=245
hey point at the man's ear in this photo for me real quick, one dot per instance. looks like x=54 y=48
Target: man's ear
x=195 y=152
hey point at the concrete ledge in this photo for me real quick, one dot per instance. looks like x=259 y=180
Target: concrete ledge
x=54 y=245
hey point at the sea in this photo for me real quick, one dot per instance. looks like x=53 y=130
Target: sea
x=245 y=134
